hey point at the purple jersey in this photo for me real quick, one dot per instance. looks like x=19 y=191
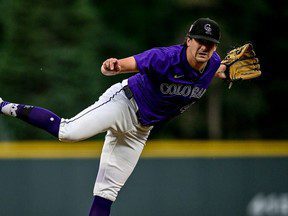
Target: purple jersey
x=167 y=85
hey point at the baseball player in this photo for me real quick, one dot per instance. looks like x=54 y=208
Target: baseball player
x=169 y=80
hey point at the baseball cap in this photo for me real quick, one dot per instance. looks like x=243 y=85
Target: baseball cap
x=205 y=29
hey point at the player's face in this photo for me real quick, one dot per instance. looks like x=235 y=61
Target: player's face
x=200 y=50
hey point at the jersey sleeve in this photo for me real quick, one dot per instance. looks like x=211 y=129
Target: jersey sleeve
x=153 y=61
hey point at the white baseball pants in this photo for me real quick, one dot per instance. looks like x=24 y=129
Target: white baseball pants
x=124 y=141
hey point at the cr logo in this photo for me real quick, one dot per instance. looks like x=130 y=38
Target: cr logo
x=208 y=29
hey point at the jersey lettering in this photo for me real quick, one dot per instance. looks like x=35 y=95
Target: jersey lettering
x=182 y=90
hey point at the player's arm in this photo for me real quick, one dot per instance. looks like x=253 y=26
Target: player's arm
x=113 y=66
x=220 y=72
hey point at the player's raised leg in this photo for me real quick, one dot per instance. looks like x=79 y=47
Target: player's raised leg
x=33 y=115
x=110 y=112
x=97 y=118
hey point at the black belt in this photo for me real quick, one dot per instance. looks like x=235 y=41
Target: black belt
x=128 y=92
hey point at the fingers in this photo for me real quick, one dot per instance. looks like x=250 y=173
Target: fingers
x=107 y=64
x=220 y=75
x=112 y=64
x=221 y=72
x=111 y=67
x=117 y=66
x=222 y=68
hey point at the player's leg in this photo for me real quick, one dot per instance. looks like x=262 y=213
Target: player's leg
x=120 y=154
x=93 y=120
x=100 y=207
x=33 y=115
x=105 y=114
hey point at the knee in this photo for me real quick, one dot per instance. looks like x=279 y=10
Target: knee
x=68 y=134
x=68 y=137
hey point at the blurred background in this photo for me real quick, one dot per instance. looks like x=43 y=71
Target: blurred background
x=50 y=56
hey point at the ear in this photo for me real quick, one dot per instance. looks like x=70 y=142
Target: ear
x=188 y=41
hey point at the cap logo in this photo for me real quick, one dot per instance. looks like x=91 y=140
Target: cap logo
x=208 y=29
